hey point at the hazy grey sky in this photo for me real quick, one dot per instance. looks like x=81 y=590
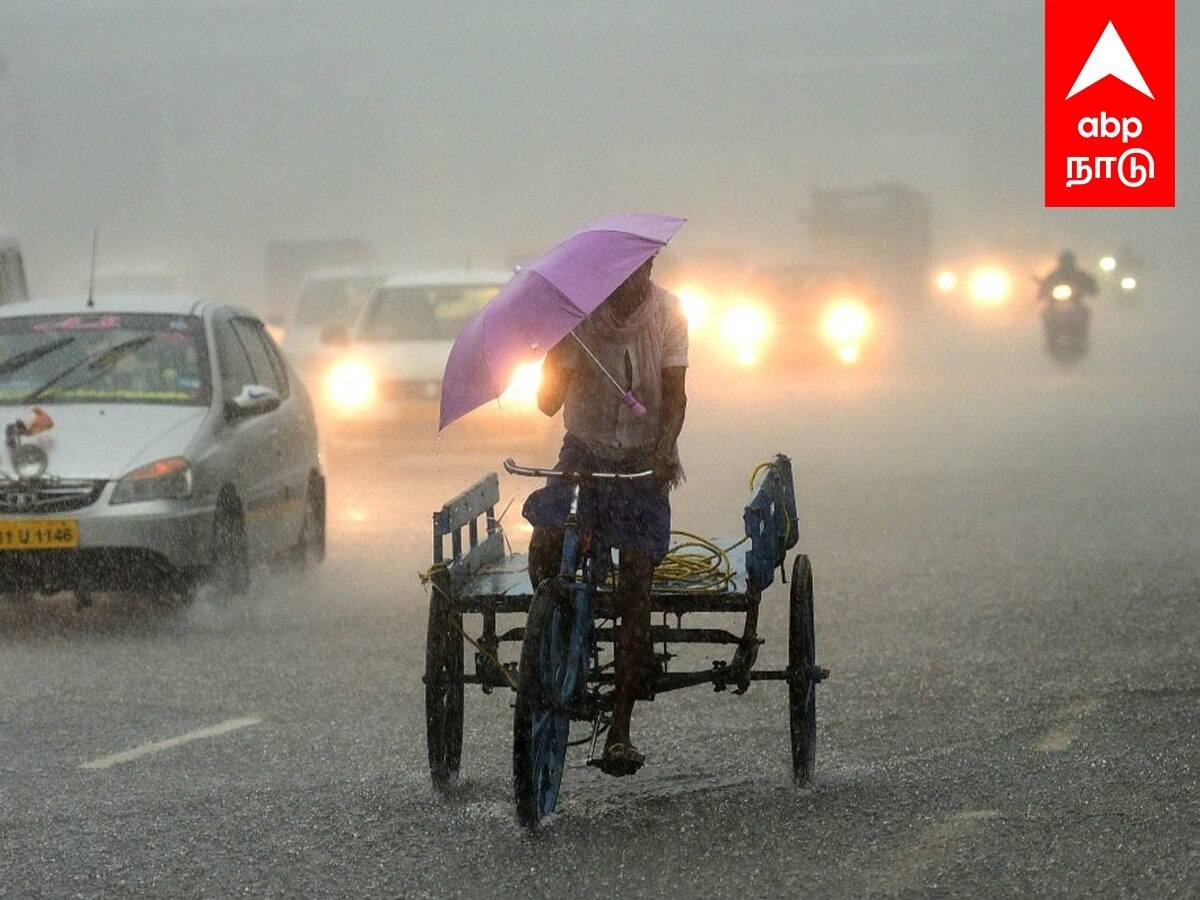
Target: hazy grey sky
x=192 y=132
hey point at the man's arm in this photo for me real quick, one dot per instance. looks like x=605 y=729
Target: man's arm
x=670 y=421
x=556 y=378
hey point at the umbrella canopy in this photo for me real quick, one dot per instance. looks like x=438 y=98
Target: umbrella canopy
x=542 y=303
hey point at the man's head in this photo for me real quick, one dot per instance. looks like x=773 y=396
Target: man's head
x=1066 y=259
x=628 y=298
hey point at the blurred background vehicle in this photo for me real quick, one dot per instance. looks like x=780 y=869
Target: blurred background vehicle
x=13 y=287
x=151 y=442
x=382 y=378
x=328 y=300
x=777 y=320
x=1121 y=274
x=289 y=262
x=882 y=232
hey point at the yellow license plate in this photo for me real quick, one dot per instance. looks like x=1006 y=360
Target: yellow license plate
x=38 y=534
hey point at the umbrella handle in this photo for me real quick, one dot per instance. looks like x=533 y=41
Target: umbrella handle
x=632 y=402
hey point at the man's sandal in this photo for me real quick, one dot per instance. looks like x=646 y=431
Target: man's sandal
x=619 y=760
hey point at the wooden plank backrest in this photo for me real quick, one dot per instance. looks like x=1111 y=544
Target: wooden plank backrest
x=463 y=512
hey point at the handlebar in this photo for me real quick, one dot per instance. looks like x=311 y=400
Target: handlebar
x=530 y=472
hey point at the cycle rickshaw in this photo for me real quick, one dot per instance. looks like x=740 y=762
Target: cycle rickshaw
x=564 y=673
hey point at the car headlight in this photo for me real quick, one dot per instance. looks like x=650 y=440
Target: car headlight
x=163 y=479
x=946 y=281
x=989 y=286
x=350 y=385
x=695 y=306
x=522 y=388
x=746 y=327
x=1062 y=292
x=845 y=325
x=1107 y=263
x=1128 y=283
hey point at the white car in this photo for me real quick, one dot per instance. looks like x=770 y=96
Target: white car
x=386 y=375
x=327 y=304
x=150 y=443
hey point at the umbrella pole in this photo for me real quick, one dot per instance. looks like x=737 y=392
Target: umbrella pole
x=626 y=395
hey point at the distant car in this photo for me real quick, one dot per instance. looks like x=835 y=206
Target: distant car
x=150 y=444
x=386 y=374
x=328 y=303
x=13 y=288
x=781 y=320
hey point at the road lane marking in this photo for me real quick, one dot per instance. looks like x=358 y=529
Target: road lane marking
x=930 y=844
x=1063 y=733
x=220 y=728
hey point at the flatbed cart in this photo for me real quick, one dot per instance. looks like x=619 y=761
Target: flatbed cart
x=566 y=670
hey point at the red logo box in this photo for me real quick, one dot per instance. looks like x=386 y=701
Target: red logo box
x=1110 y=103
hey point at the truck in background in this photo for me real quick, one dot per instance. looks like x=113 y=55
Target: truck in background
x=13 y=286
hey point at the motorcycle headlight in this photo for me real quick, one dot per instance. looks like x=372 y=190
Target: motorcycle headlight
x=1062 y=292
x=163 y=479
x=1128 y=283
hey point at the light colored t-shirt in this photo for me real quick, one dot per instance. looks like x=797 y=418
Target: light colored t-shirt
x=634 y=352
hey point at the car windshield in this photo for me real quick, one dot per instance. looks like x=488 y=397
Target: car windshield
x=333 y=301
x=426 y=313
x=103 y=358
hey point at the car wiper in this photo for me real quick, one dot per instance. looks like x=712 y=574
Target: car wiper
x=21 y=360
x=97 y=363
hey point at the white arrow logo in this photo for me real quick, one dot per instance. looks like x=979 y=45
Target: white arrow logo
x=1110 y=57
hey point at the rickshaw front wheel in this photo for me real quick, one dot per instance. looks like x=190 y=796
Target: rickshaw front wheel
x=444 y=692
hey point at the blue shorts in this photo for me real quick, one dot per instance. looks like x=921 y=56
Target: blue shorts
x=622 y=514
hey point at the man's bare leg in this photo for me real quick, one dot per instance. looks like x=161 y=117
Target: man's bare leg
x=545 y=554
x=632 y=644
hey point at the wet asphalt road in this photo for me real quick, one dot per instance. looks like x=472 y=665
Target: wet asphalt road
x=1007 y=587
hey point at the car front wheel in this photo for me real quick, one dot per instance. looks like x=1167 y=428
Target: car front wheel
x=231 y=558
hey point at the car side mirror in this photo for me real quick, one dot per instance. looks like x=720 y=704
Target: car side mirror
x=253 y=400
x=335 y=336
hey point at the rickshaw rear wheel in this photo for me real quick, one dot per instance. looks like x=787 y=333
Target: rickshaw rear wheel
x=541 y=731
x=443 y=692
x=802 y=682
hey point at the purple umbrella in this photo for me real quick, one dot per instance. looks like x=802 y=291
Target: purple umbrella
x=542 y=303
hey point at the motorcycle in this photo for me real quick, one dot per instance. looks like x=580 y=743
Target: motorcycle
x=1065 y=322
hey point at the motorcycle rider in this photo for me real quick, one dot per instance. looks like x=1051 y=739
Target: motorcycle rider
x=1065 y=316
x=1082 y=284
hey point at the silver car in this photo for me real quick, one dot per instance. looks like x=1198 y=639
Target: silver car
x=150 y=444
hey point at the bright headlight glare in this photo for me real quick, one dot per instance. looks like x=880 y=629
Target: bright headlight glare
x=746 y=328
x=163 y=479
x=523 y=386
x=946 y=281
x=989 y=286
x=1107 y=263
x=1128 y=283
x=848 y=354
x=1062 y=292
x=695 y=306
x=350 y=385
x=846 y=322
